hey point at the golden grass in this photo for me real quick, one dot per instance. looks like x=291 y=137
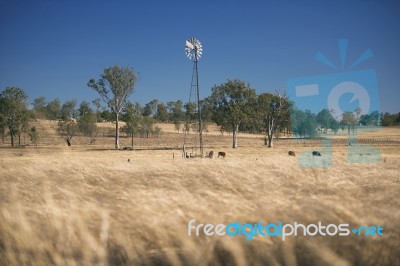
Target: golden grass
x=63 y=206
x=93 y=207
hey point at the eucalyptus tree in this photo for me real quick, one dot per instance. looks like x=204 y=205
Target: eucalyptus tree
x=39 y=107
x=115 y=85
x=13 y=111
x=274 y=109
x=53 y=109
x=232 y=105
x=133 y=117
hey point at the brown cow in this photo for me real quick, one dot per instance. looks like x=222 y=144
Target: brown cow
x=211 y=154
x=292 y=153
x=221 y=153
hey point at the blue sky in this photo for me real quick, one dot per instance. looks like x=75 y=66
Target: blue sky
x=52 y=48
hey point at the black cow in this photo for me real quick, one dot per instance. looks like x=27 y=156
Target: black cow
x=316 y=153
x=292 y=153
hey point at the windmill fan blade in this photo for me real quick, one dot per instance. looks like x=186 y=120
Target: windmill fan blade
x=189 y=45
x=193 y=49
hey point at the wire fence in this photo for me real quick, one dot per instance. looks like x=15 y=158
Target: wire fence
x=338 y=142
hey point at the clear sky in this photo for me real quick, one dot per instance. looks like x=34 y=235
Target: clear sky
x=52 y=48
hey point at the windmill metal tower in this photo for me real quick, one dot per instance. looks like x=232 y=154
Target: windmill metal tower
x=194 y=50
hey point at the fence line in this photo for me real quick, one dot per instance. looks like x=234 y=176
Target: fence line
x=355 y=141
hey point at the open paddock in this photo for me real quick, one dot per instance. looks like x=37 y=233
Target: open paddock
x=79 y=205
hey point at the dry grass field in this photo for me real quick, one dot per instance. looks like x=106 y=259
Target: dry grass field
x=87 y=205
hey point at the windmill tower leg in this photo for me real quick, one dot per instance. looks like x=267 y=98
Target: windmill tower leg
x=199 y=110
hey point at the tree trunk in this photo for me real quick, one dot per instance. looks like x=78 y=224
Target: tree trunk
x=132 y=140
x=234 y=138
x=270 y=133
x=270 y=141
x=116 y=131
x=12 y=138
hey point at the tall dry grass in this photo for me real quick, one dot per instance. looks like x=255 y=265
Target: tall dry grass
x=91 y=207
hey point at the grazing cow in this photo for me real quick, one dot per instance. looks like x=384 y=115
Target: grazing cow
x=316 y=153
x=292 y=153
x=129 y=160
x=211 y=154
x=221 y=153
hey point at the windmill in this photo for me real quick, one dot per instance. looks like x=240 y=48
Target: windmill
x=194 y=50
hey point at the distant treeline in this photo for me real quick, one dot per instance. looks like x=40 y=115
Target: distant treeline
x=234 y=106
